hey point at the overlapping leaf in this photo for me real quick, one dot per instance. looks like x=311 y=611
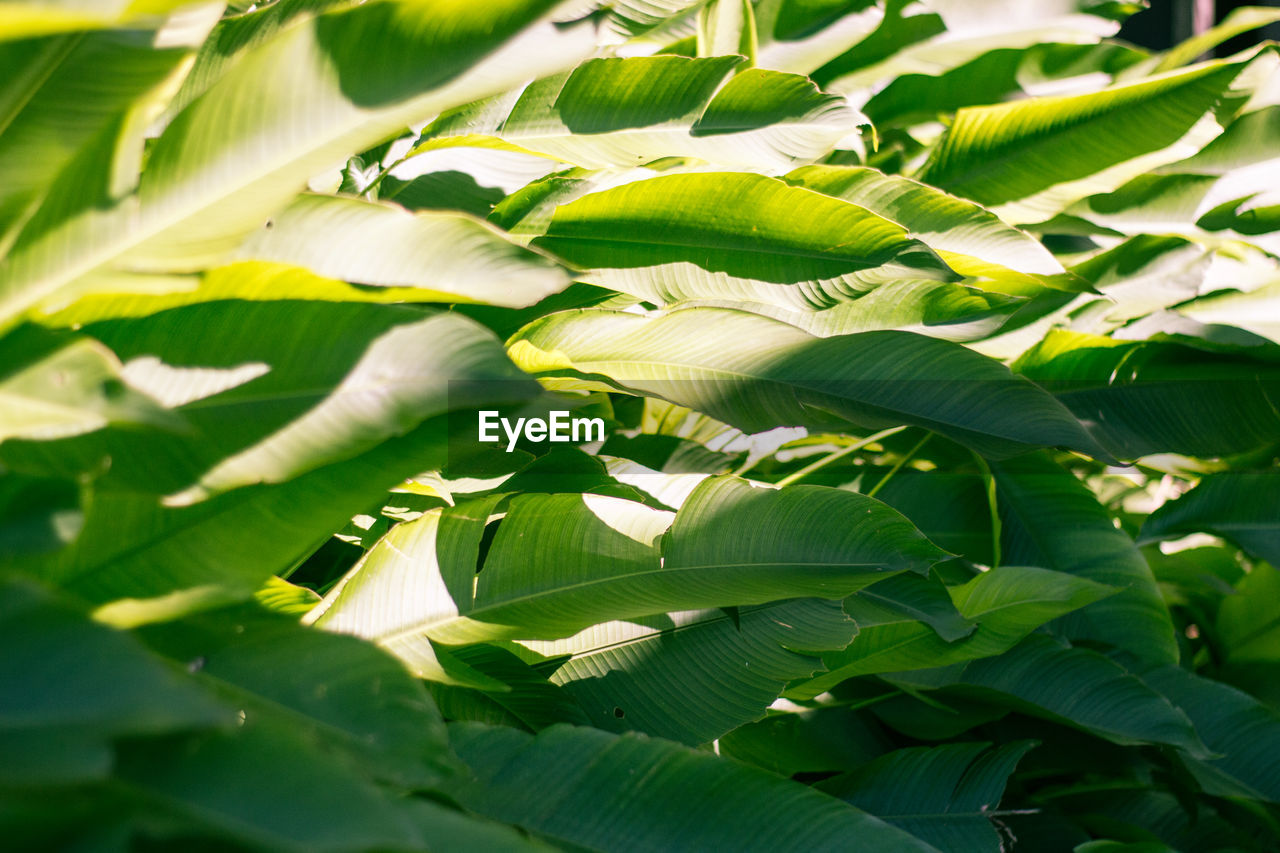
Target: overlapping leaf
x=631 y=111
x=756 y=374
x=642 y=794
x=561 y=563
x=209 y=180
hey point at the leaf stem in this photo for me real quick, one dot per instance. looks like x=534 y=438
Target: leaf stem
x=989 y=481
x=839 y=454
x=897 y=466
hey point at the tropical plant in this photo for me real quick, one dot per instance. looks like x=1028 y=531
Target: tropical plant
x=936 y=351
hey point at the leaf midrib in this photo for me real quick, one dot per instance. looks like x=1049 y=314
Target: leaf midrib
x=581 y=367
x=423 y=626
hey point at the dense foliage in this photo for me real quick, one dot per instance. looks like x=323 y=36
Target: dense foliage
x=938 y=349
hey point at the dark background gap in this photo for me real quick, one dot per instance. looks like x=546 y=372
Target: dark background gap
x=1168 y=22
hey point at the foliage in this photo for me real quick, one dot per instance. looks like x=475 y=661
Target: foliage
x=938 y=504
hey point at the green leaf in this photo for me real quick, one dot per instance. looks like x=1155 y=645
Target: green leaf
x=1033 y=157
x=444 y=257
x=174 y=558
x=75 y=389
x=940 y=794
x=711 y=235
x=244 y=148
x=727 y=27
x=260 y=281
x=1049 y=518
x=24 y=19
x=757 y=374
x=594 y=789
x=953 y=34
x=1145 y=397
x=807 y=740
x=1075 y=687
x=280 y=596
x=940 y=309
x=1239 y=20
x=1007 y=603
x=528 y=699
x=270 y=390
x=560 y=563
x=352 y=696
x=1238 y=505
x=973 y=241
x=924 y=598
x=623 y=674
x=1222 y=192
x=301 y=414
x=55 y=100
x=950 y=508
x=37 y=514
x=1242 y=734
x=803 y=37
x=235 y=34
x=632 y=111
x=1249 y=622
x=269 y=785
x=74 y=686
x=1000 y=75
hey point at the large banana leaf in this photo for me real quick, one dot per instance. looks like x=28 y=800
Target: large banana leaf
x=60 y=729
x=245 y=726
x=1222 y=192
x=1241 y=732
x=940 y=309
x=710 y=235
x=263 y=281
x=756 y=374
x=590 y=788
x=1049 y=518
x=944 y=795
x=1239 y=20
x=444 y=257
x=370 y=709
x=1238 y=505
x=225 y=547
x=1075 y=687
x=268 y=785
x=1158 y=396
x=268 y=390
x=1007 y=603
x=235 y=34
x=631 y=111
x=560 y=563
x=287 y=443
x=1048 y=68
x=1032 y=158
x=624 y=674
x=802 y=38
x=56 y=100
x=807 y=740
x=239 y=152
x=953 y=34
x=952 y=509
x=972 y=241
